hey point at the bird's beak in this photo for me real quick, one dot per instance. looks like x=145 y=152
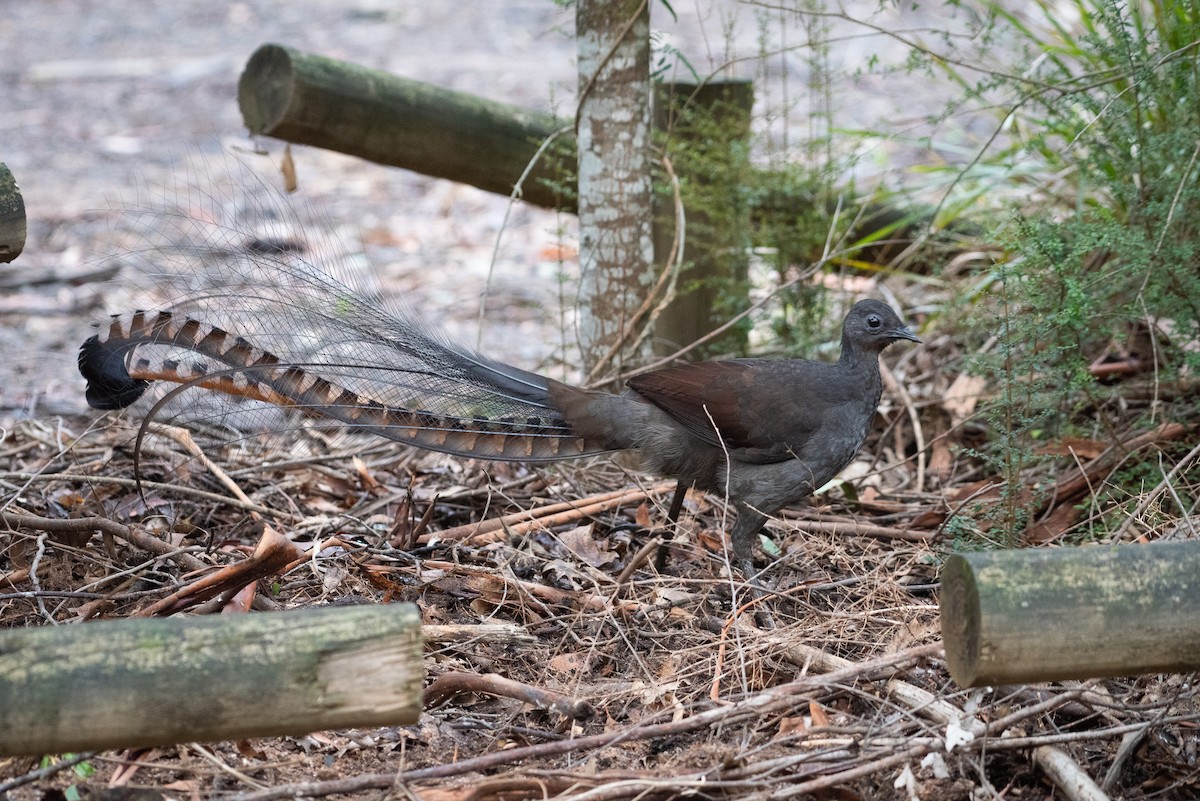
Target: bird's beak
x=904 y=332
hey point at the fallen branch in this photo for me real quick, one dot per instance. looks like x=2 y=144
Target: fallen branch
x=455 y=683
x=186 y=441
x=896 y=388
x=46 y=772
x=272 y=554
x=79 y=525
x=643 y=554
x=1041 y=614
x=919 y=700
x=1077 y=482
x=856 y=529
x=134 y=683
x=1066 y=774
x=526 y=520
x=176 y=489
x=504 y=633
x=504 y=587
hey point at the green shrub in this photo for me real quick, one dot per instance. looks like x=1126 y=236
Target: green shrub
x=1108 y=235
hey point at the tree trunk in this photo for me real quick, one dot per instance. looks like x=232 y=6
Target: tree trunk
x=616 y=248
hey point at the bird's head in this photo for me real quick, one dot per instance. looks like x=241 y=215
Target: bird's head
x=872 y=325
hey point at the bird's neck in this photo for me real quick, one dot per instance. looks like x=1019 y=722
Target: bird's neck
x=855 y=358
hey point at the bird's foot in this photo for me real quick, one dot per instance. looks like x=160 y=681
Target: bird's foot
x=759 y=592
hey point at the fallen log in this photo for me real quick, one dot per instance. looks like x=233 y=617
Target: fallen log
x=1040 y=614
x=143 y=682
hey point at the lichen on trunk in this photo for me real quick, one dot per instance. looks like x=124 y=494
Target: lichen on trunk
x=615 y=199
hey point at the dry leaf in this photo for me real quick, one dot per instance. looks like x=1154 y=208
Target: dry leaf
x=287 y=166
x=1058 y=523
x=134 y=759
x=191 y=786
x=930 y=518
x=642 y=515
x=568 y=663
x=579 y=541
x=711 y=539
x=242 y=600
x=333 y=578
x=248 y=750
x=1080 y=447
x=558 y=252
x=819 y=718
x=941 y=460
x=792 y=725
x=962 y=397
x=364 y=475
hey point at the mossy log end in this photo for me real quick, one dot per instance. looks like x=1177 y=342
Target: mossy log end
x=12 y=217
x=1071 y=613
x=143 y=682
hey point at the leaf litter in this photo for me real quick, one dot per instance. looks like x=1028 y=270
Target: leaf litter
x=561 y=662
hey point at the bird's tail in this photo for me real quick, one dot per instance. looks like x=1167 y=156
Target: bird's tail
x=246 y=308
x=447 y=400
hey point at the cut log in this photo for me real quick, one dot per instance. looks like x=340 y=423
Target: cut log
x=308 y=99
x=711 y=120
x=12 y=217
x=129 y=683
x=1071 y=613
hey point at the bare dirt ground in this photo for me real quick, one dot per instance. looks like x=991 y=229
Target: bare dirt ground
x=680 y=690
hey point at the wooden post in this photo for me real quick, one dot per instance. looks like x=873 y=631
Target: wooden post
x=1071 y=613
x=142 y=682
x=12 y=217
x=312 y=100
x=709 y=124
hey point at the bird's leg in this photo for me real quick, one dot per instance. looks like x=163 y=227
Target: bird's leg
x=660 y=559
x=749 y=523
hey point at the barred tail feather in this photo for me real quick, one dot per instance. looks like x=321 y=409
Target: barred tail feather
x=118 y=373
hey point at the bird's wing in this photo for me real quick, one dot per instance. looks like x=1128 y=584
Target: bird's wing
x=712 y=401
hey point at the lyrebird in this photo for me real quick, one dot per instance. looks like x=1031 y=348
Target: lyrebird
x=763 y=433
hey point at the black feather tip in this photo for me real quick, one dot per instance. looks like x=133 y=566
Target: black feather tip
x=109 y=385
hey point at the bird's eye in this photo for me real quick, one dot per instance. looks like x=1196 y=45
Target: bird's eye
x=873 y=321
